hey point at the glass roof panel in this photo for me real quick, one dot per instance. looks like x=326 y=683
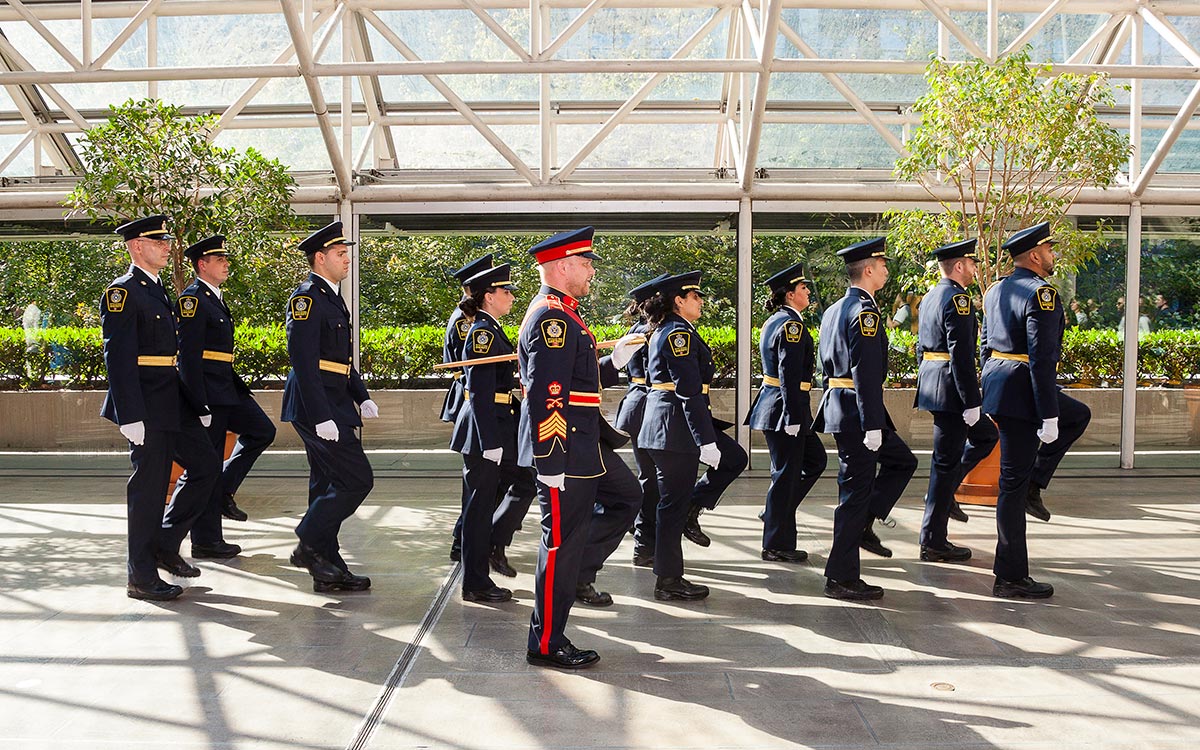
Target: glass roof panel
x=22 y=164
x=461 y=146
x=825 y=146
x=639 y=33
x=861 y=33
x=642 y=146
x=448 y=35
x=1184 y=155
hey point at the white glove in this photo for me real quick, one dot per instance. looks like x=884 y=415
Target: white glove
x=495 y=454
x=626 y=347
x=206 y=420
x=557 y=481
x=873 y=439
x=710 y=454
x=370 y=409
x=134 y=432
x=971 y=416
x=327 y=430
x=792 y=429
x=1049 y=432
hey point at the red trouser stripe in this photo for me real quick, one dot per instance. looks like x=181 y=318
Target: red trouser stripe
x=548 y=585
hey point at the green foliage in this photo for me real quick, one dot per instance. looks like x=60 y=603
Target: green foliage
x=1016 y=144
x=58 y=277
x=148 y=158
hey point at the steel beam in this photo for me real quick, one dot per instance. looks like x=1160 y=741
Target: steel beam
x=758 y=105
x=744 y=342
x=1129 y=368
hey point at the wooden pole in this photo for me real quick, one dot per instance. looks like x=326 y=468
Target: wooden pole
x=510 y=357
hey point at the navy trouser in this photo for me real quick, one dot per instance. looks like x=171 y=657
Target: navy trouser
x=717 y=478
x=339 y=479
x=869 y=484
x=255 y=433
x=646 y=525
x=1073 y=419
x=151 y=527
x=482 y=479
x=566 y=518
x=796 y=464
x=618 y=499
x=510 y=508
x=1018 y=453
x=956 y=450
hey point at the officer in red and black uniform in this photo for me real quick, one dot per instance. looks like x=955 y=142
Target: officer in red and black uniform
x=782 y=411
x=322 y=398
x=1021 y=346
x=206 y=366
x=948 y=388
x=874 y=464
x=559 y=435
x=156 y=411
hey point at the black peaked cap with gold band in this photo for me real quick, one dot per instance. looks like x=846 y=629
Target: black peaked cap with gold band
x=151 y=227
x=490 y=278
x=787 y=279
x=680 y=284
x=214 y=245
x=955 y=250
x=876 y=247
x=481 y=263
x=324 y=238
x=1027 y=239
x=647 y=289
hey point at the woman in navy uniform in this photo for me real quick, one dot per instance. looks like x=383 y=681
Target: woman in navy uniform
x=629 y=421
x=452 y=351
x=874 y=464
x=1021 y=345
x=320 y=398
x=678 y=430
x=206 y=366
x=486 y=430
x=782 y=411
x=157 y=413
x=948 y=387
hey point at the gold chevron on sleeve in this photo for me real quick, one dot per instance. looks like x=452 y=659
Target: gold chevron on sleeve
x=554 y=425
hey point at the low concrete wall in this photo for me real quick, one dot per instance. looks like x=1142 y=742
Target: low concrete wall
x=69 y=420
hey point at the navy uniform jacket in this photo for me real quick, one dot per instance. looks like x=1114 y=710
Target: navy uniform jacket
x=947 y=327
x=1022 y=315
x=786 y=348
x=138 y=321
x=322 y=384
x=559 y=428
x=452 y=351
x=629 y=411
x=206 y=327
x=678 y=420
x=853 y=345
x=483 y=423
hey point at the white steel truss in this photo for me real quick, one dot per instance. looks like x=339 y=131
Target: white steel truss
x=47 y=46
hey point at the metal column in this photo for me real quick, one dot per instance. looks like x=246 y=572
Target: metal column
x=1129 y=371
x=745 y=235
x=350 y=287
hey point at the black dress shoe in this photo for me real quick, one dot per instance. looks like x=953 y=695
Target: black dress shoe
x=1034 y=505
x=316 y=564
x=176 y=565
x=643 y=559
x=856 y=590
x=1026 y=588
x=680 y=588
x=762 y=514
x=785 y=555
x=587 y=593
x=219 y=551
x=692 y=529
x=499 y=562
x=871 y=543
x=565 y=656
x=455 y=552
x=348 y=582
x=957 y=513
x=230 y=509
x=494 y=594
x=949 y=553
x=159 y=591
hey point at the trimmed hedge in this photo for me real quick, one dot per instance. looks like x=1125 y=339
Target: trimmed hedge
x=404 y=357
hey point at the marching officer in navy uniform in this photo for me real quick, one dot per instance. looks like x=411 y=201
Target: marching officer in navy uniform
x=1021 y=346
x=206 y=366
x=559 y=435
x=319 y=399
x=629 y=420
x=156 y=411
x=948 y=387
x=874 y=464
x=486 y=430
x=679 y=431
x=782 y=411
x=452 y=351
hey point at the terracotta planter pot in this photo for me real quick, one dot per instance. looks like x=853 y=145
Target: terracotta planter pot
x=982 y=485
x=177 y=470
